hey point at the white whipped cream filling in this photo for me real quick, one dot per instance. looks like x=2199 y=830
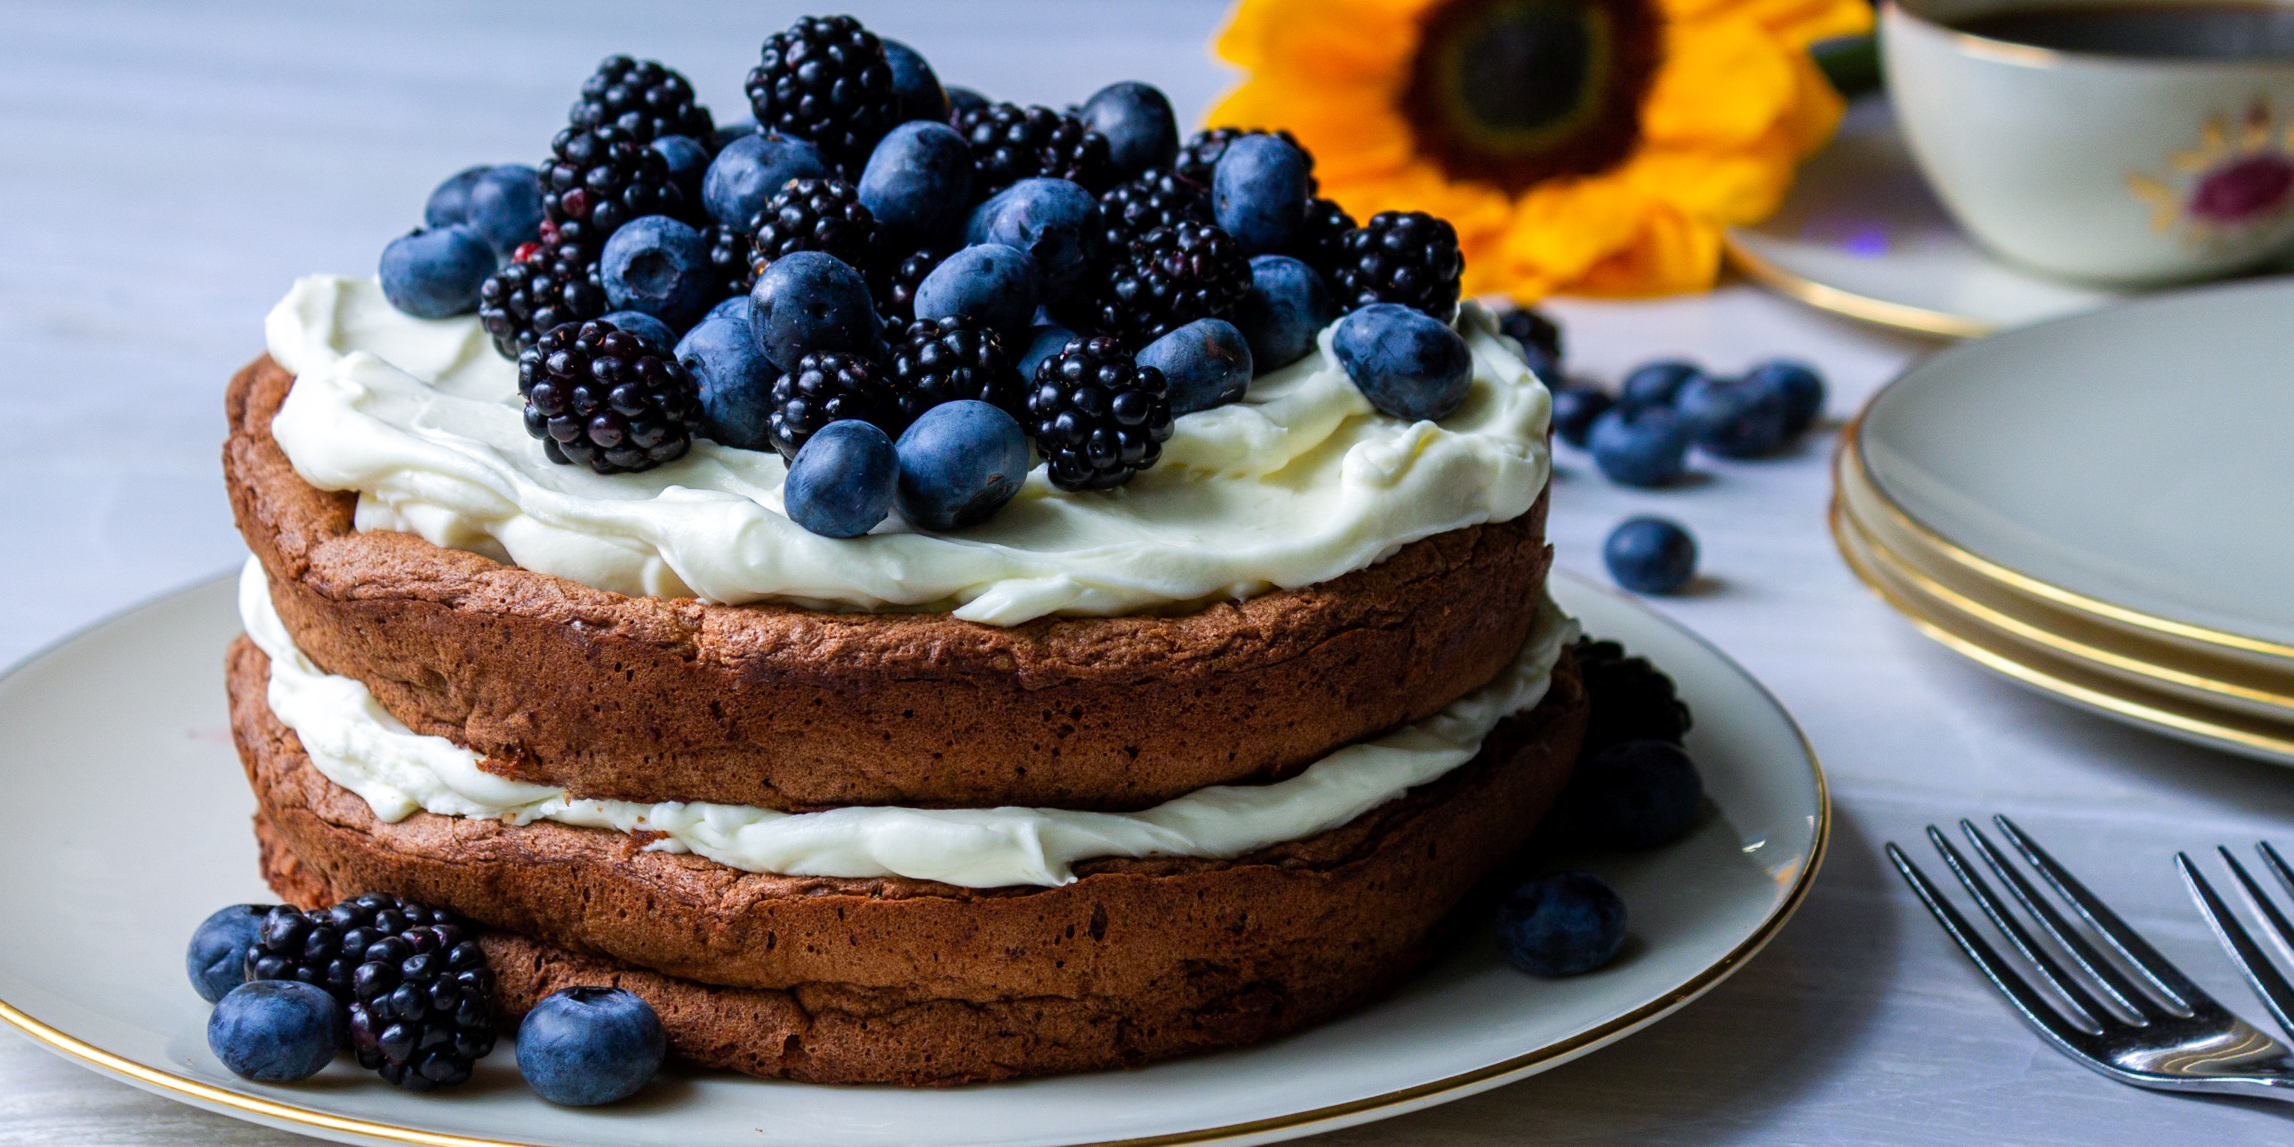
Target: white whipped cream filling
x=1300 y=482
x=360 y=746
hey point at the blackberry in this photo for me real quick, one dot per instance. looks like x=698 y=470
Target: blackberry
x=950 y=359
x=607 y=399
x=644 y=99
x=1199 y=156
x=826 y=79
x=1321 y=241
x=1011 y=143
x=1632 y=699
x=1406 y=257
x=895 y=285
x=1097 y=416
x=421 y=995
x=827 y=386
x=548 y=284
x=604 y=177
x=1170 y=277
x=732 y=255
x=1157 y=198
x=815 y=215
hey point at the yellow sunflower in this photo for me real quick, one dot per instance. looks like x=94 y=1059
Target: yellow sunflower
x=1587 y=146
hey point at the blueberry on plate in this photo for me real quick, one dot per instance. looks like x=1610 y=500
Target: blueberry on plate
x=217 y=955
x=1633 y=795
x=1056 y=222
x=1288 y=305
x=808 y=301
x=1136 y=118
x=1655 y=383
x=660 y=266
x=1650 y=555
x=1206 y=363
x=1563 y=924
x=1649 y=447
x=1042 y=342
x=753 y=169
x=581 y=1047
x=735 y=378
x=644 y=326
x=840 y=484
x=449 y=203
x=1405 y=362
x=991 y=282
x=1801 y=388
x=917 y=183
x=914 y=84
x=275 y=1031
x=1259 y=192
x=436 y=274
x=1574 y=410
x=688 y=161
x=959 y=463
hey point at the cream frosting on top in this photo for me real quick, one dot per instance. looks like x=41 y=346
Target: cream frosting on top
x=1298 y=483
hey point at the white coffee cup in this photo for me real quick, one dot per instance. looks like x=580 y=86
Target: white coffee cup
x=2111 y=169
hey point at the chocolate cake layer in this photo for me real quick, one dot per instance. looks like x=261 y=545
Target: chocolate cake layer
x=641 y=699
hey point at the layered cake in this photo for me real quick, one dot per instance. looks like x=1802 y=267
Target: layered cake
x=1181 y=745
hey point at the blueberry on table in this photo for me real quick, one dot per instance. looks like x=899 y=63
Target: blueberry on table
x=1633 y=795
x=275 y=1031
x=1655 y=384
x=1137 y=120
x=1801 y=388
x=959 y=463
x=1731 y=418
x=1574 y=410
x=449 y=203
x=505 y=207
x=1406 y=363
x=1259 y=192
x=807 y=302
x=991 y=282
x=436 y=274
x=1650 y=555
x=581 y=1047
x=660 y=266
x=1287 y=307
x=1206 y=363
x=644 y=326
x=1056 y=222
x=917 y=183
x=1564 y=924
x=1649 y=447
x=751 y=170
x=216 y=958
x=914 y=84
x=840 y=484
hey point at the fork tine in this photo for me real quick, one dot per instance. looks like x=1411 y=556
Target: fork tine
x=2262 y=903
x=2013 y=929
x=2168 y=979
x=2114 y=984
x=2034 y=1007
x=2277 y=865
x=2276 y=993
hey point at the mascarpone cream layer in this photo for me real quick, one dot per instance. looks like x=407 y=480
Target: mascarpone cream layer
x=355 y=743
x=1300 y=482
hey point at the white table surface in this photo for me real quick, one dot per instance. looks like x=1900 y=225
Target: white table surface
x=169 y=171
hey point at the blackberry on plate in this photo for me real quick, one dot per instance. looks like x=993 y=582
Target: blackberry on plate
x=607 y=399
x=1199 y=156
x=732 y=255
x=552 y=283
x=1632 y=699
x=1010 y=143
x=644 y=99
x=895 y=285
x=605 y=176
x=1406 y=257
x=1171 y=277
x=822 y=215
x=326 y=946
x=421 y=1008
x=1321 y=240
x=1158 y=198
x=825 y=387
x=944 y=360
x=1096 y=415
x=826 y=79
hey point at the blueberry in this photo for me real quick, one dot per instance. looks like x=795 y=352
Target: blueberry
x=1288 y=306
x=688 y=162
x=1053 y=220
x=806 y=301
x=506 y=207
x=1575 y=408
x=1406 y=363
x=1561 y=925
x=1801 y=387
x=961 y=100
x=436 y=274
x=1259 y=192
x=1648 y=448
x=217 y=956
x=728 y=132
x=584 y=1046
x=1044 y=341
x=959 y=463
x=991 y=282
x=917 y=183
x=1650 y=555
x=1137 y=121
x=1632 y=795
x=751 y=170
x=660 y=266
x=450 y=202
x=840 y=484
x=1206 y=363
x=1731 y=418
x=921 y=96
x=736 y=307
x=644 y=326
x=276 y=1031
x=1655 y=384
x=736 y=378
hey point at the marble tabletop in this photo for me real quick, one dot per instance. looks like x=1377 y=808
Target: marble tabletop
x=171 y=168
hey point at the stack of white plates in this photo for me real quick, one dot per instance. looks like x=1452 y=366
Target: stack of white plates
x=2100 y=508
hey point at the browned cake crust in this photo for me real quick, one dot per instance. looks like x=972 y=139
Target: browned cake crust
x=901 y=980
x=644 y=699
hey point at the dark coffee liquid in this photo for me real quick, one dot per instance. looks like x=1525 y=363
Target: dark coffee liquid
x=2209 y=31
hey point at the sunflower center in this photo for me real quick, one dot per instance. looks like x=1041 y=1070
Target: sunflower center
x=1515 y=92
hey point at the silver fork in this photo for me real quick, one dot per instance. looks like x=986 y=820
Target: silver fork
x=2164 y=1033
x=2276 y=994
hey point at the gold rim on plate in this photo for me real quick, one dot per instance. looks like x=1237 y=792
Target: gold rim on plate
x=1863 y=308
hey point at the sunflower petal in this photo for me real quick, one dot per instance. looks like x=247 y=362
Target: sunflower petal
x=1724 y=83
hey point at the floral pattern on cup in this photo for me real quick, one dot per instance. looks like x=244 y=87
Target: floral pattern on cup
x=2235 y=181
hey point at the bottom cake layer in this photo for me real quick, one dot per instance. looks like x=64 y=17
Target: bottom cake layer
x=890 y=980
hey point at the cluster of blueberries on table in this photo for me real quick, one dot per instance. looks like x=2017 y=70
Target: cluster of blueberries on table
x=912 y=292
x=408 y=993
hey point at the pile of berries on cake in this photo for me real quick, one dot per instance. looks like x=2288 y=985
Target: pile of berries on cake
x=911 y=292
